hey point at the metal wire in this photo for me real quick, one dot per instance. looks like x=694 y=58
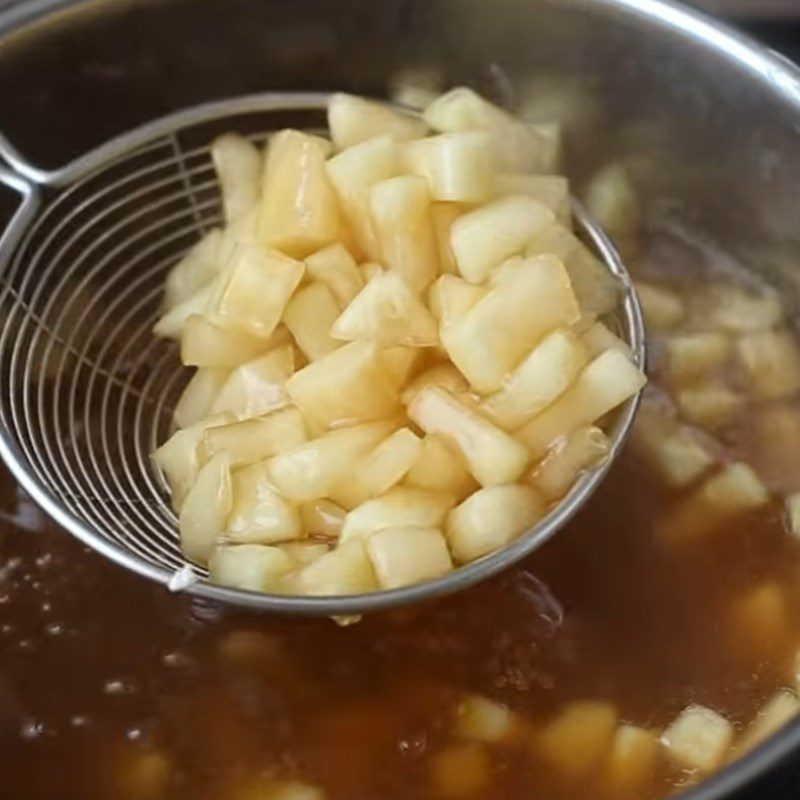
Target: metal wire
x=86 y=391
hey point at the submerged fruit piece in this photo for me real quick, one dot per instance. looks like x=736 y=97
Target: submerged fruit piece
x=698 y=739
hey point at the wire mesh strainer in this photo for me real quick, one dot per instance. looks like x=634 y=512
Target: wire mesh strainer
x=87 y=391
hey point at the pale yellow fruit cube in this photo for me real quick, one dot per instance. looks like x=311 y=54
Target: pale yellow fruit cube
x=585 y=448
x=402 y=506
x=369 y=271
x=401 y=214
x=545 y=374
x=238 y=164
x=259 y=515
x=484 y=720
x=254 y=288
x=179 y=457
x=689 y=355
x=335 y=266
x=204 y=512
x=258 y=386
x=723 y=497
x=254 y=439
x=400 y=363
x=607 y=382
x=403 y=556
x=487 y=342
x=444 y=375
x=597 y=290
x=633 y=759
x=443 y=215
x=353 y=172
x=311 y=470
x=252 y=567
x=299 y=208
x=461 y=770
x=492 y=456
x=353 y=119
x=387 y=312
x=345 y=570
x=578 y=738
x=550 y=190
x=698 y=739
x=204 y=343
x=380 y=469
x=710 y=404
x=194 y=271
x=263 y=788
x=323 y=517
x=462 y=109
x=304 y=553
x=491 y=518
x=240 y=231
x=612 y=200
x=450 y=297
x=482 y=239
x=310 y=315
x=458 y=166
x=170 y=324
x=346 y=386
x=198 y=395
x=441 y=468
x=771 y=363
x=598 y=337
x=777 y=712
x=663 y=308
x=759 y=621
x=415 y=87
x=736 y=309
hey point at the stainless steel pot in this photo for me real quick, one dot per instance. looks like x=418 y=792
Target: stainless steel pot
x=707 y=120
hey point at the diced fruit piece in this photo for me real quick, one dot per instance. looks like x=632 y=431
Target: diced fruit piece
x=170 y=325
x=710 y=404
x=513 y=145
x=348 y=385
x=771 y=439
x=771 y=362
x=442 y=216
x=598 y=338
x=205 y=510
x=759 y=621
x=304 y=553
x=194 y=271
x=491 y=518
x=662 y=307
x=611 y=200
x=335 y=266
x=793 y=514
x=207 y=344
x=254 y=439
x=488 y=341
x=493 y=457
x=369 y=271
x=323 y=517
x=401 y=213
x=269 y=789
x=450 y=297
x=575 y=741
x=179 y=457
x=353 y=119
x=400 y=363
x=550 y=190
x=299 y=210
x=406 y=555
x=258 y=386
x=730 y=493
x=584 y=448
x=345 y=570
x=402 y=506
x=353 y=172
x=460 y=770
x=482 y=239
x=253 y=567
x=457 y=165
x=386 y=311
x=240 y=231
x=698 y=739
x=139 y=772
x=444 y=375
x=415 y=87
x=550 y=368
x=309 y=316
x=484 y=720
x=689 y=355
x=440 y=468
x=238 y=164
x=380 y=469
x=310 y=471
x=633 y=759
x=728 y=307
x=198 y=395
x=597 y=290
x=254 y=288
x=259 y=515
x=782 y=707
x=607 y=382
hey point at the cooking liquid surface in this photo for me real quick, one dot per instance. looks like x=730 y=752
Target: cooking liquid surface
x=112 y=688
